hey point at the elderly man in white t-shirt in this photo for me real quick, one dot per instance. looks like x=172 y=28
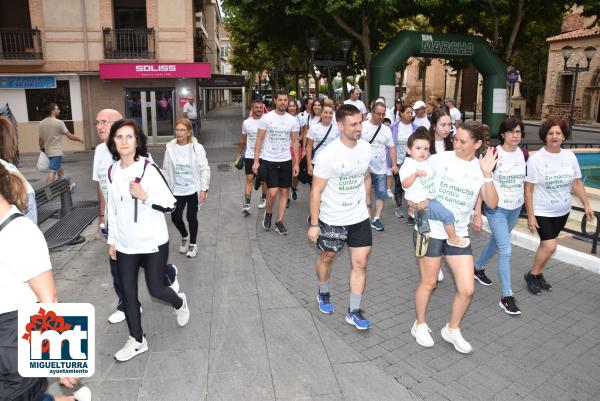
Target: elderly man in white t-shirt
x=356 y=102
x=190 y=112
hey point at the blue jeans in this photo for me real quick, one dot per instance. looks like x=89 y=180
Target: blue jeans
x=501 y=223
x=380 y=185
x=436 y=211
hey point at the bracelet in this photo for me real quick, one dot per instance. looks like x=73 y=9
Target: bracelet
x=315 y=226
x=486 y=180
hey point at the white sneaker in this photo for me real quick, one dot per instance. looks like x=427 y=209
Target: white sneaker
x=246 y=211
x=421 y=333
x=263 y=203
x=192 y=251
x=454 y=337
x=175 y=284
x=131 y=349
x=183 y=248
x=183 y=313
x=83 y=394
x=116 y=317
x=390 y=194
x=441 y=275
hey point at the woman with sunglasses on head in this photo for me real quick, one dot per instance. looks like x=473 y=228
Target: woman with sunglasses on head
x=188 y=175
x=552 y=174
x=509 y=178
x=138 y=197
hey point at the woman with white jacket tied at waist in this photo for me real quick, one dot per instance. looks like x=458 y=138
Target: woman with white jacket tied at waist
x=138 y=197
x=188 y=175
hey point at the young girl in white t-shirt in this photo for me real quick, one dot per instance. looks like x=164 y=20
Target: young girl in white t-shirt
x=419 y=186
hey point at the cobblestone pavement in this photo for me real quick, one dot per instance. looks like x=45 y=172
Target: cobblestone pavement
x=550 y=352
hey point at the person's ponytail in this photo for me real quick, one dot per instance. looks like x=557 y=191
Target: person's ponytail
x=12 y=189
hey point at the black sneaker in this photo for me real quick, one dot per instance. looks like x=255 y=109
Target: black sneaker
x=532 y=284
x=267 y=221
x=294 y=194
x=287 y=205
x=509 y=305
x=544 y=285
x=481 y=277
x=280 y=228
x=410 y=221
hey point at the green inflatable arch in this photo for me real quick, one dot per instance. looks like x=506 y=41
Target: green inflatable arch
x=447 y=46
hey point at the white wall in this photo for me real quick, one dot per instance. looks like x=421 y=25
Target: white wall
x=16 y=100
x=75 y=91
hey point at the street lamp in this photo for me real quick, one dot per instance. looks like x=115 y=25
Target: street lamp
x=313 y=46
x=567 y=52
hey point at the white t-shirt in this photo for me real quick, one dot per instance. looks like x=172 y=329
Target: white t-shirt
x=382 y=141
x=509 y=177
x=276 y=147
x=423 y=187
x=318 y=132
x=184 y=175
x=24 y=256
x=102 y=161
x=343 y=200
x=457 y=184
x=250 y=128
x=190 y=110
x=404 y=132
x=358 y=104
x=440 y=146
x=454 y=115
x=422 y=122
x=553 y=175
x=312 y=121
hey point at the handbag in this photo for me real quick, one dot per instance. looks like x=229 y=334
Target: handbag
x=43 y=163
x=239 y=163
x=303 y=175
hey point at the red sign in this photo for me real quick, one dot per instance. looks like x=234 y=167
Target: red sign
x=154 y=70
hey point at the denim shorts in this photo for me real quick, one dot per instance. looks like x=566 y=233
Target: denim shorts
x=55 y=163
x=380 y=184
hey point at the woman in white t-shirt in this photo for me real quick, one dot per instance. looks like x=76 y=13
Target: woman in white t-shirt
x=292 y=109
x=314 y=117
x=188 y=175
x=509 y=176
x=460 y=178
x=25 y=278
x=552 y=173
x=325 y=131
x=402 y=129
x=440 y=129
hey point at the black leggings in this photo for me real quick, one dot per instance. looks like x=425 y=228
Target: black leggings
x=192 y=210
x=154 y=269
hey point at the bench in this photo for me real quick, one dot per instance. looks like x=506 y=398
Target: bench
x=72 y=220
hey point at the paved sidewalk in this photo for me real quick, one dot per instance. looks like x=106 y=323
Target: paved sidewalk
x=248 y=337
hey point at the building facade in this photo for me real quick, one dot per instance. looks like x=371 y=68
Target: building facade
x=578 y=32
x=140 y=57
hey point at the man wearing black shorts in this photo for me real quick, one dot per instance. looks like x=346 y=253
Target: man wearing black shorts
x=338 y=211
x=248 y=140
x=277 y=131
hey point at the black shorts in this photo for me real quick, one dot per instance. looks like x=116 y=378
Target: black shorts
x=279 y=174
x=248 y=165
x=333 y=238
x=439 y=247
x=550 y=227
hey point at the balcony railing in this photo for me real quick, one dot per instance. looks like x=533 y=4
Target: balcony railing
x=20 y=44
x=128 y=43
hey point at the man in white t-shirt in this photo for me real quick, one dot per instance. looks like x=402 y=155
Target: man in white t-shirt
x=103 y=159
x=338 y=211
x=248 y=139
x=189 y=112
x=356 y=102
x=277 y=131
x=454 y=113
x=421 y=120
x=380 y=137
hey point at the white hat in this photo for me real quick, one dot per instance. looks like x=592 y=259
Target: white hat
x=418 y=104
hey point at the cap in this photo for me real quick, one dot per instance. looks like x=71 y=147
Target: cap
x=451 y=100
x=419 y=104
x=292 y=93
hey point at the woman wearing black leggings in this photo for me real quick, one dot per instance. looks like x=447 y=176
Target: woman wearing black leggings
x=138 y=197
x=188 y=175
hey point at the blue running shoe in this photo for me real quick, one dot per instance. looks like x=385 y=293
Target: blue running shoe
x=357 y=319
x=377 y=225
x=325 y=304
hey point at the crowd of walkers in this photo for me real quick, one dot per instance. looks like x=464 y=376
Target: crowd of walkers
x=442 y=175
x=440 y=172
